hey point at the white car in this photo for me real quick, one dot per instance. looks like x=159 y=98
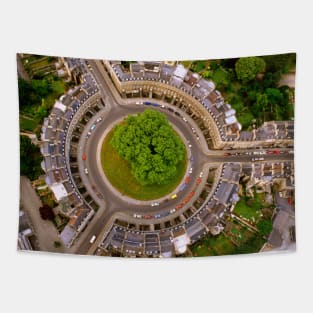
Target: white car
x=155 y=203
x=86 y=171
x=99 y=119
x=201 y=174
x=93 y=238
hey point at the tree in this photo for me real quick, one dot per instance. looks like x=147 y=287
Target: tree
x=247 y=68
x=264 y=227
x=30 y=159
x=260 y=105
x=280 y=62
x=46 y=212
x=57 y=244
x=148 y=142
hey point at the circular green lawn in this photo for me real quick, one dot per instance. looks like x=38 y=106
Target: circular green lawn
x=118 y=172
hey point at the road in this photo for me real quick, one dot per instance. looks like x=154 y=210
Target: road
x=45 y=231
x=114 y=203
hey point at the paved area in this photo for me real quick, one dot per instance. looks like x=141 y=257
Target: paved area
x=287 y=80
x=44 y=230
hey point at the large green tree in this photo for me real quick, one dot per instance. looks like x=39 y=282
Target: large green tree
x=151 y=146
x=247 y=68
x=30 y=159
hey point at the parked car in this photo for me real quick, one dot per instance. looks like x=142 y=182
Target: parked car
x=93 y=238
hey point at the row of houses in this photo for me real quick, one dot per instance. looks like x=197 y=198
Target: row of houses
x=54 y=141
x=168 y=81
x=128 y=240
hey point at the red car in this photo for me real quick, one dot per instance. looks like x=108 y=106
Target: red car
x=187 y=180
x=84 y=157
x=179 y=206
x=198 y=181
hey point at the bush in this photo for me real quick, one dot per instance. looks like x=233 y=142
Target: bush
x=264 y=227
x=46 y=212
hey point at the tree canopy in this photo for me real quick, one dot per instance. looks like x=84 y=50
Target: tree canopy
x=247 y=68
x=265 y=227
x=30 y=159
x=151 y=146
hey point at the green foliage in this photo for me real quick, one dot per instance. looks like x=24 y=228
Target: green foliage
x=118 y=171
x=150 y=145
x=57 y=244
x=248 y=68
x=252 y=245
x=280 y=62
x=221 y=78
x=264 y=227
x=27 y=94
x=198 y=66
x=30 y=159
x=245 y=210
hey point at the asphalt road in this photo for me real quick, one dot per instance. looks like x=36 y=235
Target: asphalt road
x=112 y=202
x=45 y=231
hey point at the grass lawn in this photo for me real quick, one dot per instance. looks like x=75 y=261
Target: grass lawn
x=118 y=172
x=58 y=87
x=245 y=211
x=219 y=245
x=27 y=124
